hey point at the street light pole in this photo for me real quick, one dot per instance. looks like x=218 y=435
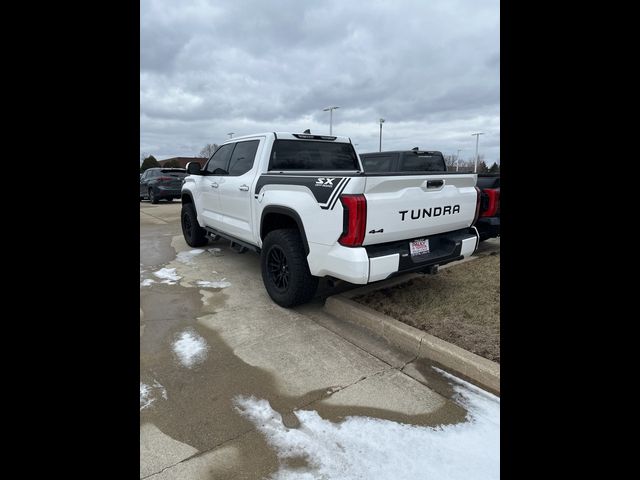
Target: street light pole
x=381 y=122
x=330 y=110
x=231 y=134
x=475 y=169
x=458 y=158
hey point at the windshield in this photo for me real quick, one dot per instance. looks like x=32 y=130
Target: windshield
x=310 y=155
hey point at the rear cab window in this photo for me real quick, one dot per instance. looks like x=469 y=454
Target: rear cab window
x=422 y=162
x=309 y=155
x=403 y=162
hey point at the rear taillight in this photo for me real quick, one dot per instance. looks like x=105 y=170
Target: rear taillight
x=478 y=202
x=492 y=207
x=165 y=179
x=355 y=220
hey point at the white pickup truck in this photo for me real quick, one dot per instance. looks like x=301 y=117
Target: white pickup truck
x=305 y=204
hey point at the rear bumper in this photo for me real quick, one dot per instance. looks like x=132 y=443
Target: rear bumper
x=163 y=191
x=378 y=262
x=488 y=227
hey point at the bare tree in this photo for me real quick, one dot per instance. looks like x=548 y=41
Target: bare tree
x=208 y=150
x=450 y=162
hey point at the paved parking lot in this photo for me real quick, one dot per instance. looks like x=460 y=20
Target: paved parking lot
x=234 y=386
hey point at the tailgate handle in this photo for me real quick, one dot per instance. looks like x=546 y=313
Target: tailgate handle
x=434 y=183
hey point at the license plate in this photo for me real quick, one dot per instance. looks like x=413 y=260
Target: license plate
x=419 y=247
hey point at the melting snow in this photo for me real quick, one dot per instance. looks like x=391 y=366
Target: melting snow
x=146 y=393
x=216 y=252
x=169 y=275
x=147 y=282
x=145 y=399
x=215 y=284
x=363 y=447
x=190 y=348
x=186 y=257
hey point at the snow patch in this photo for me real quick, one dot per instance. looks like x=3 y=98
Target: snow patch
x=190 y=348
x=169 y=275
x=145 y=399
x=216 y=252
x=187 y=256
x=147 y=282
x=215 y=284
x=364 y=447
x=147 y=396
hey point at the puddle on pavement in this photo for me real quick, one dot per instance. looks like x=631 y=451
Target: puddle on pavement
x=199 y=409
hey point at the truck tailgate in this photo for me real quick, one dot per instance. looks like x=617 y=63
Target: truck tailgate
x=412 y=206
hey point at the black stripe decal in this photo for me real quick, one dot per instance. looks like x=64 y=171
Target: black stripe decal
x=335 y=200
x=323 y=194
x=335 y=192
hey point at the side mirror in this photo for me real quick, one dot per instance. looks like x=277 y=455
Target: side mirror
x=193 y=168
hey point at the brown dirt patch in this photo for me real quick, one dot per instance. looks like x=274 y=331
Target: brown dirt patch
x=460 y=305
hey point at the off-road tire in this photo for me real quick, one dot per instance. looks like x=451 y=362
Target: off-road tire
x=293 y=284
x=194 y=234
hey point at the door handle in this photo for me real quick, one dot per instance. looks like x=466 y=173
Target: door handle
x=214 y=185
x=244 y=188
x=434 y=183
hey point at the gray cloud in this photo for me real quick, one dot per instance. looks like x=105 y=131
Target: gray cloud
x=431 y=69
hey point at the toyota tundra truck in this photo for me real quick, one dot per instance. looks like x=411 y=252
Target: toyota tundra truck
x=306 y=205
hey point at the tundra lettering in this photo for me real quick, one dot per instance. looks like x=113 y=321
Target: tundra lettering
x=428 y=212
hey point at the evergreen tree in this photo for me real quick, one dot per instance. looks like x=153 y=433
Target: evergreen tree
x=173 y=163
x=149 y=162
x=482 y=167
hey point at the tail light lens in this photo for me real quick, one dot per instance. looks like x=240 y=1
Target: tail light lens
x=355 y=220
x=165 y=179
x=493 y=202
x=478 y=202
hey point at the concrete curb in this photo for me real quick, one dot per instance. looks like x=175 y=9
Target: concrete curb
x=475 y=368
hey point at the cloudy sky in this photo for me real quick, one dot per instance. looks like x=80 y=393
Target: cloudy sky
x=430 y=68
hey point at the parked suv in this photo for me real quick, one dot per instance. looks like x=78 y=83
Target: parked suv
x=161 y=183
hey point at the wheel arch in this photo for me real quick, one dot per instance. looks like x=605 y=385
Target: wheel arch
x=275 y=216
x=186 y=197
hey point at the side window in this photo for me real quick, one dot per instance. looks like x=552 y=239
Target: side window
x=243 y=157
x=220 y=159
x=378 y=163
